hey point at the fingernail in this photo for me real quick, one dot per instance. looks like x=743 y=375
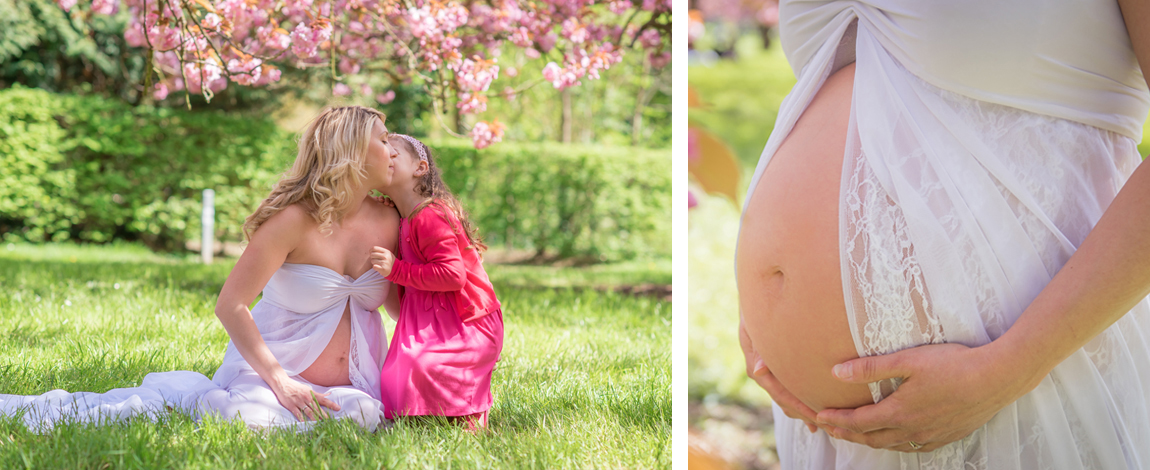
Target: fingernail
x=760 y=366
x=843 y=371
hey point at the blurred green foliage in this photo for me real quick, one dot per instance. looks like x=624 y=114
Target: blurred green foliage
x=603 y=111
x=741 y=97
x=43 y=46
x=94 y=169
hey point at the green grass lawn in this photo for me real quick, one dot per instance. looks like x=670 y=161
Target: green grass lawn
x=585 y=379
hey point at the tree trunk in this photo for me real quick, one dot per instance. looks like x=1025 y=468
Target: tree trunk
x=566 y=121
x=640 y=103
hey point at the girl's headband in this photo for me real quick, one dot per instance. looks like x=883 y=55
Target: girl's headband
x=416 y=145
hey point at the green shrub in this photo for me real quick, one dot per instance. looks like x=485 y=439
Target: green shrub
x=92 y=169
x=595 y=202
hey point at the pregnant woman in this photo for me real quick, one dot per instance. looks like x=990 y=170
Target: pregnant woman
x=314 y=344
x=955 y=189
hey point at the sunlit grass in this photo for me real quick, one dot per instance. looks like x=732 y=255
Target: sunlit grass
x=584 y=380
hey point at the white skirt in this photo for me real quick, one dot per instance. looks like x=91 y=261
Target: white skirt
x=246 y=397
x=954 y=214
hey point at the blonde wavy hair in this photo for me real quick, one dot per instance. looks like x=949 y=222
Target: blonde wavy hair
x=328 y=167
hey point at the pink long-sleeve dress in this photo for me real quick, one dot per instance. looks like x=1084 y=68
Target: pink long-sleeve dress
x=450 y=329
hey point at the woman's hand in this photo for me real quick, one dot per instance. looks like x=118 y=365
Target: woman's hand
x=948 y=391
x=757 y=371
x=382 y=260
x=302 y=401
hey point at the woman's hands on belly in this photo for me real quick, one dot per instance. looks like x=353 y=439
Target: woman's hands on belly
x=948 y=391
x=331 y=367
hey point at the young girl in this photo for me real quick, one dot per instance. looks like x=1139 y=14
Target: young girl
x=450 y=328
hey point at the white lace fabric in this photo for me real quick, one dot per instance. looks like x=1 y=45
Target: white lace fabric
x=301 y=307
x=955 y=213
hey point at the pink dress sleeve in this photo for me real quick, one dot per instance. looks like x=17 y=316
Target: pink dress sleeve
x=444 y=270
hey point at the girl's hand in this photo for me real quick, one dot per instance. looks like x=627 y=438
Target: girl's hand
x=384 y=200
x=948 y=391
x=382 y=260
x=302 y=401
x=757 y=371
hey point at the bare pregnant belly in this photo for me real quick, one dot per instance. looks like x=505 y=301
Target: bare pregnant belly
x=789 y=277
x=331 y=367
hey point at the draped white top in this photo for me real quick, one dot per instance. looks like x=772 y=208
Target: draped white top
x=297 y=316
x=301 y=307
x=985 y=140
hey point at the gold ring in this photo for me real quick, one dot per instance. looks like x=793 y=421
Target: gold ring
x=914 y=445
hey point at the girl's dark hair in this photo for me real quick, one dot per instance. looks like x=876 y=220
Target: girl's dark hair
x=431 y=185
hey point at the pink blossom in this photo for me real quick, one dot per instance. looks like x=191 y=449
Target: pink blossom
x=104 y=7
x=306 y=39
x=218 y=85
x=164 y=38
x=547 y=41
x=66 y=4
x=348 y=66
x=211 y=22
x=521 y=37
x=659 y=60
x=134 y=35
x=484 y=134
x=460 y=41
x=619 y=7
x=273 y=38
x=246 y=71
x=197 y=74
x=551 y=72
x=471 y=103
x=268 y=75
x=650 y=38
x=691 y=200
x=573 y=31
x=161 y=92
x=692 y=146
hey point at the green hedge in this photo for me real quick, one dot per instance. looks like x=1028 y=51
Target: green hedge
x=92 y=169
x=602 y=203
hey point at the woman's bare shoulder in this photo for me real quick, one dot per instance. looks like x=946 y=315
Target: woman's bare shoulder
x=384 y=213
x=294 y=220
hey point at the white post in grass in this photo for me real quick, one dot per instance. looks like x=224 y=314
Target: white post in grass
x=208 y=221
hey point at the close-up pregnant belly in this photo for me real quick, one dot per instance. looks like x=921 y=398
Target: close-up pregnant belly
x=789 y=274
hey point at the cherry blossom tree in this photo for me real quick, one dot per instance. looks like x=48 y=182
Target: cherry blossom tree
x=451 y=47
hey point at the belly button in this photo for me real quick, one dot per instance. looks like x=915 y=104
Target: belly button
x=773 y=282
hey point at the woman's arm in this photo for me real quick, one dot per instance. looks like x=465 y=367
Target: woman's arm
x=269 y=247
x=391 y=304
x=950 y=390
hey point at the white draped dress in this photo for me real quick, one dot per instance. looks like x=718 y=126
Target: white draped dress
x=986 y=139
x=301 y=307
